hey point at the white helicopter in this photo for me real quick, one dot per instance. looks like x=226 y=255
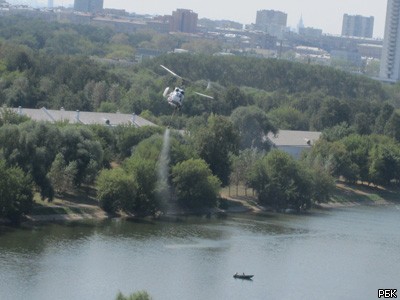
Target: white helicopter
x=175 y=98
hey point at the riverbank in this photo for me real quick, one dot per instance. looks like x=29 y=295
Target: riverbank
x=83 y=206
x=77 y=206
x=344 y=195
x=348 y=195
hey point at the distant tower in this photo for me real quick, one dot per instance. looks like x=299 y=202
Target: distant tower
x=300 y=25
x=358 y=26
x=184 y=20
x=390 y=60
x=50 y=4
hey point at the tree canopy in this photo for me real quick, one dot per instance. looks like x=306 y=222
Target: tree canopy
x=82 y=67
x=16 y=197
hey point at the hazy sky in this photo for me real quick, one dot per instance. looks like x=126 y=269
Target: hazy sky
x=324 y=14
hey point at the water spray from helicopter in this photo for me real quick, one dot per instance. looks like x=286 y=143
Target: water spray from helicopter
x=163 y=187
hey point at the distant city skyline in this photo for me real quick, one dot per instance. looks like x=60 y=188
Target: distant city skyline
x=325 y=15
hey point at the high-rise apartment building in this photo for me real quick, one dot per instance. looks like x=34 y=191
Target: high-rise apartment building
x=88 y=5
x=358 y=26
x=390 y=60
x=271 y=21
x=50 y=3
x=184 y=20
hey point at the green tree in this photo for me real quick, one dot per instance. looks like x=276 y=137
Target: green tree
x=335 y=159
x=9 y=116
x=384 y=114
x=362 y=123
x=16 y=196
x=145 y=175
x=392 y=127
x=62 y=175
x=106 y=136
x=288 y=118
x=235 y=97
x=323 y=185
x=385 y=163
x=242 y=164
x=116 y=190
x=141 y=295
x=203 y=46
x=20 y=93
x=253 y=125
x=32 y=146
x=332 y=112
x=129 y=136
x=358 y=149
x=337 y=132
x=79 y=144
x=281 y=182
x=214 y=143
x=195 y=186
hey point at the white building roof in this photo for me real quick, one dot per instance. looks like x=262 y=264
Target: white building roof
x=294 y=138
x=83 y=117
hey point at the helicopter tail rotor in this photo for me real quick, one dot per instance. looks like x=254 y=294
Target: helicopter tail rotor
x=208 y=85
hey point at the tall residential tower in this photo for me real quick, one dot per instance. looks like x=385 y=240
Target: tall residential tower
x=92 y=6
x=184 y=20
x=358 y=26
x=390 y=60
x=271 y=21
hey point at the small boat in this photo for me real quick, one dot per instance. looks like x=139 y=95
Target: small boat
x=243 y=276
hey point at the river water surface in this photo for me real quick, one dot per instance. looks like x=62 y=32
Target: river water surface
x=338 y=254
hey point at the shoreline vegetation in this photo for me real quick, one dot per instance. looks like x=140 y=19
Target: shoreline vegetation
x=83 y=206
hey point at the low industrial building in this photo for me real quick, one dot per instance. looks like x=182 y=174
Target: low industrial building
x=293 y=142
x=83 y=117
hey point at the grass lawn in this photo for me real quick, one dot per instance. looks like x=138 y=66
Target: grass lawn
x=364 y=194
x=79 y=202
x=344 y=193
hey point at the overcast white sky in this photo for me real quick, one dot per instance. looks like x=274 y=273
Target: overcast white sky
x=324 y=14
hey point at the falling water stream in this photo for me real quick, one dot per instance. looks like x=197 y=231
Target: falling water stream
x=163 y=188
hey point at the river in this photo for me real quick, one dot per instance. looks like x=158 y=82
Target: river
x=333 y=254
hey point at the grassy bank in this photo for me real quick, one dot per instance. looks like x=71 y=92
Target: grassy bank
x=345 y=194
x=73 y=206
x=83 y=205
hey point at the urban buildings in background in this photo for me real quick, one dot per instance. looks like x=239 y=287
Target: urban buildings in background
x=92 y=6
x=390 y=60
x=184 y=20
x=357 y=26
x=50 y=3
x=271 y=21
x=268 y=37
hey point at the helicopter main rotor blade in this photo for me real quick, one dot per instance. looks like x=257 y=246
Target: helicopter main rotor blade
x=169 y=71
x=203 y=95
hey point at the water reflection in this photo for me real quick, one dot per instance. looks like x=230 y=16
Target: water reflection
x=339 y=254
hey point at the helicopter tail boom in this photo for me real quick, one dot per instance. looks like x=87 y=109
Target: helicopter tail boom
x=166 y=92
